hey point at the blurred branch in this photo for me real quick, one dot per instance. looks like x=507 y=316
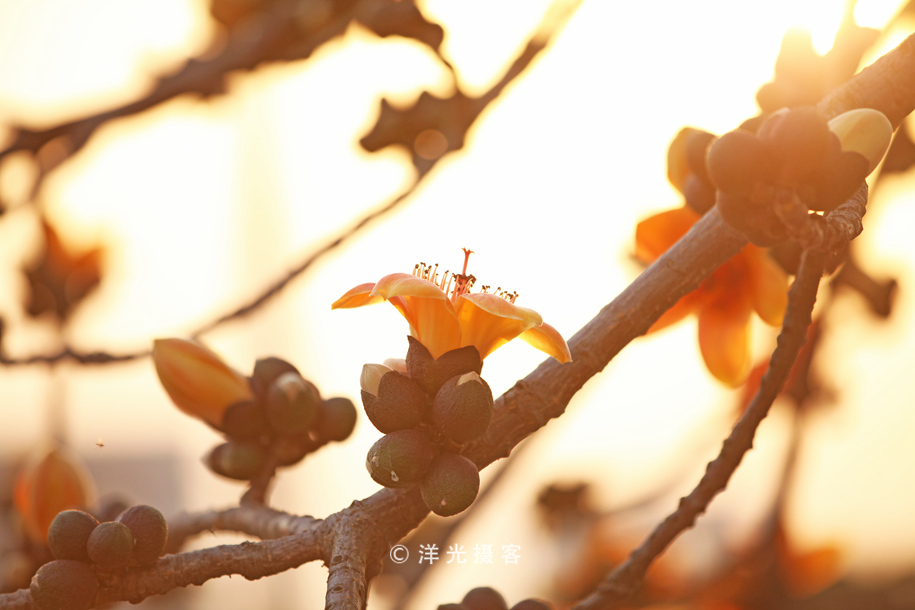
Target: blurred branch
x=272 y=34
x=537 y=43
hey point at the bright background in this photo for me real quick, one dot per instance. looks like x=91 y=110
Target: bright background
x=201 y=204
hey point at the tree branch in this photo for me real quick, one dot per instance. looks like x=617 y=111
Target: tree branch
x=623 y=582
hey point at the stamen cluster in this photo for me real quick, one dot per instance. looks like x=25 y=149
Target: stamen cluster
x=462 y=282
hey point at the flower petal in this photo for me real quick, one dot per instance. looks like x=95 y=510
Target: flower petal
x=357 y=297
x=198 y=381
x=548 y=340
x=426 y=308
x=688 y=303
x=724 y=338
x=655 y=234
x=407 y=285
x=489 y=321
x=768 y=285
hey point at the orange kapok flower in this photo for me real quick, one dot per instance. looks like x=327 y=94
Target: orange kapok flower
x=197 y=380
x=725 y=301
x=444 y=315
x=51 y=480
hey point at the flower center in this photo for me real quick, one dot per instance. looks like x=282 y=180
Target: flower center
x=456 y=284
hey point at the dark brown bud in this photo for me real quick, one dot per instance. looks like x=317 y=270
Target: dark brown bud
x=64 y=584
x=840 y=176
x=798 y=138
x=532 y=604
x=150 y=530
x=110 y=545
x=236 y=460
x=400 y=459
x=699 y=195
x=292 y=404
x=451 y=485
x=430 y=373
x=696 y=146
x=69 y=533
x=336 y=420
x=398 y=404
x=266 y=370
x=245 y=421
x=484 y=598
x=737 y=162
x=463 y=407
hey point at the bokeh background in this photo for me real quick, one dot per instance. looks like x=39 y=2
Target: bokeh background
x=201 y=203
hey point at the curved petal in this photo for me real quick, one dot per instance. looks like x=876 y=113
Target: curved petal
x=655 y=234
x=489 y=321
x=768 y=285
x=548 y=340
x=407 y=285
x=357 y=297
x=426 y=308
x=724 y=338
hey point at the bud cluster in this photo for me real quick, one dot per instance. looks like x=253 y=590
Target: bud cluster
x=795 y=158
x=82 y=547
x=428 y=409
x=284 y=420
x=487 y=598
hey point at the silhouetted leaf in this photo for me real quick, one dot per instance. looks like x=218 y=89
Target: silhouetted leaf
x=430 y=128
x=402 y=18
x=61 y=279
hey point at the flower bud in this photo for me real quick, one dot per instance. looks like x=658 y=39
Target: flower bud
x=463 y=407
x=69 y=533
x=336 y=421
x=532 y=604
x=864 y=131
x=371 y=376
x=484 y=598
x=110 y=545
x=797 y=137
x=400 y=459
x=266 y=371
x=397 y=403
x=236 y=460
x=430 y=373
x=292 y=404
x=245 y=420
x=64 y=584
x=50 y=482
x=197 y=380
x=451 y=484
x=149 y=529
x=396 y=364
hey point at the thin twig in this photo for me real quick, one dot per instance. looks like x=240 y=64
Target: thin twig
x=623 y=582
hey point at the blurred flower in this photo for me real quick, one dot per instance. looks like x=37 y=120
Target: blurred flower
x=444 y=317
x=724 y=302
x=197 y=380
x=50 y=481
x=809 y=571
